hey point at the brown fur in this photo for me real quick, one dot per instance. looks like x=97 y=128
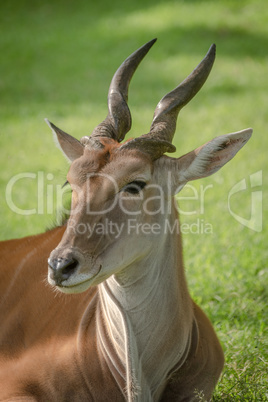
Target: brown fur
x=48 y=340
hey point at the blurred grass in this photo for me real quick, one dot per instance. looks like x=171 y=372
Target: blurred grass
x=57 y=60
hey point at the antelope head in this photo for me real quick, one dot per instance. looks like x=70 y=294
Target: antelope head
x=118 y=186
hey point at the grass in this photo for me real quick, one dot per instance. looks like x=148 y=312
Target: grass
x=57 y=62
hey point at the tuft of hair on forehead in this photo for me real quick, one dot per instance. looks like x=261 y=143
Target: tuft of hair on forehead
x=91 y=142
x=100 y=143
x=97 y=153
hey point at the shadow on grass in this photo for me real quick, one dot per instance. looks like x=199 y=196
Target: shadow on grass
x=55 y=50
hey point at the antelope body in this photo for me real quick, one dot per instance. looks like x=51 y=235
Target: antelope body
x=123 y=326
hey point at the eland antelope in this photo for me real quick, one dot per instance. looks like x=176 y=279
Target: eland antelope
x=123 y=325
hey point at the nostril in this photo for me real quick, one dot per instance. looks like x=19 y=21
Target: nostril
x=62 y=268
x=69 y=269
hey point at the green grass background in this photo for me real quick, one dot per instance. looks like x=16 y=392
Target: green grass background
x=57 y=60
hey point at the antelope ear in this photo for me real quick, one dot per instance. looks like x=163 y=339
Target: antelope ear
x=210 y=157
x=70 y=146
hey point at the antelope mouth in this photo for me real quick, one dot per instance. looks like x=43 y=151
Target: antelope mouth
x=85 y=282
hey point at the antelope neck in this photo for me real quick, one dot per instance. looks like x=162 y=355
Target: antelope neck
x=147 y=318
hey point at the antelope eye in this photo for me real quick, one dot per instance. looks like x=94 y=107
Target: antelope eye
x=65 y=184
x=134 y=187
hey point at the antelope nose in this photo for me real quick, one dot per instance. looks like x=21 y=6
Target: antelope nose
x=60 y=269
